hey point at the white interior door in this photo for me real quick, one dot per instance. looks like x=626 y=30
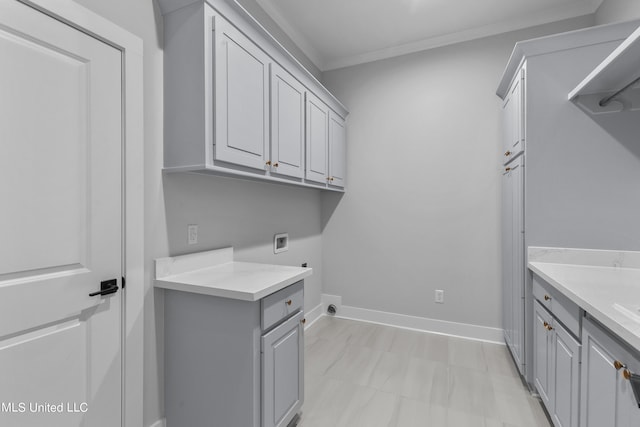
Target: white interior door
x=60 y=223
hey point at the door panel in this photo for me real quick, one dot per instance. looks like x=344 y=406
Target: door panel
x=566 y=373
x=317 y=139
x=542 y=355
x=287 y=123
x=518 y=259
x=599 y=393
x=60 y=138
x=241 y=98
x=337 y=150
x=282 y=373
x=507 y=257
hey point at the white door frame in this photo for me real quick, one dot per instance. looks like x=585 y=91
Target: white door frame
x=133 y=207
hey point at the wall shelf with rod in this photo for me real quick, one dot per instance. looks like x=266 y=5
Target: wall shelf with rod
x=614 y=85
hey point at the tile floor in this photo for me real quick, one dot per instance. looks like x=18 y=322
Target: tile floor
x=363 y=374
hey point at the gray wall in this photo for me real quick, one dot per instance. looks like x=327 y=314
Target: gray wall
x=261 y=16
x=582 y=171
x=617 y=10
x=245 y=215
x=422 y=207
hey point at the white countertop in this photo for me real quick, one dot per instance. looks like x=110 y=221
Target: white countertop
x=215 y=273
x=609 y=290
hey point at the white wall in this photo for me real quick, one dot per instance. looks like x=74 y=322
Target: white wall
x=245 y=215
x=617 y=10
x=422 y=207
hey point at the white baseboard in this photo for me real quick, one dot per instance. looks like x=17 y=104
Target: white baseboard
x=160 y=423
x=336 y=300
x=462 y=330
x=312 y=315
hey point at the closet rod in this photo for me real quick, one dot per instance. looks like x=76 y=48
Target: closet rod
x=607 y=100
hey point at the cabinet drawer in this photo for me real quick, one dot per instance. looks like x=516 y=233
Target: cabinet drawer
x=559 y=305
x=282 y=304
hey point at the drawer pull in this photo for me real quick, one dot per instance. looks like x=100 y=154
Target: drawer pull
x=303 y=321
x=547 y=298
x=547 y=326
x=507 y=154
x=618 y=365
x=268 y=162
x=626 y=374
x=288 y=302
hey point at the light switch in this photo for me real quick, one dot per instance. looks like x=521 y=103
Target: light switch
x=192 y=234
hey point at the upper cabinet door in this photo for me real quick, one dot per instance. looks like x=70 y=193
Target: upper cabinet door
x=513 y=132
x=317 y=140
x=241 y=98
x=287 y=123
x=337 y=150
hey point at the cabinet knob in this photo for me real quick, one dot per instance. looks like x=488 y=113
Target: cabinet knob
x=507 y=154
x=303 y=321
x=626 y=374
x=275 y=165
x=288 y=302
x=547 y=326
x=547 y=298
x=618 y=365
x=268 y=162
x=507 y=169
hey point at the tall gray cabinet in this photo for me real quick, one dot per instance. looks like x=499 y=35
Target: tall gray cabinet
x=560 y=169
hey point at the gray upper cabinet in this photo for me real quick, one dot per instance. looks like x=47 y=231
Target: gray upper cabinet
x=287 y=124
x=241 y=98
x=238 y=104
x=337 y=150
x=513 y=118
x=317 y=139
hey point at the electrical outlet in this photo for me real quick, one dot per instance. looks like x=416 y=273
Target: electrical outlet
x=439 y=296
x=280 y=243
x=192 y=234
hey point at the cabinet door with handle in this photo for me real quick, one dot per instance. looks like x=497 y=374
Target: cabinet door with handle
x=337 y=150
x=287 y=123
x=317 y=140
x=513 y=118
x=542 y=356
x=241 y=81
x=565 y=376
x=607 y=397
x=283 y=372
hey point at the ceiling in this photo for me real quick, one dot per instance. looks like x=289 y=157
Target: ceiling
x=340 y=33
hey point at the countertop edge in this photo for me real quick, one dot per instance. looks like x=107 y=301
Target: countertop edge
x=211 y=290
x=613 y=325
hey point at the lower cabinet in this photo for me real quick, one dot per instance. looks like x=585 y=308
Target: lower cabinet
x=282 y=372
x=607 y=396
x=556 y=368
x=233 y=363
x=542 y=358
